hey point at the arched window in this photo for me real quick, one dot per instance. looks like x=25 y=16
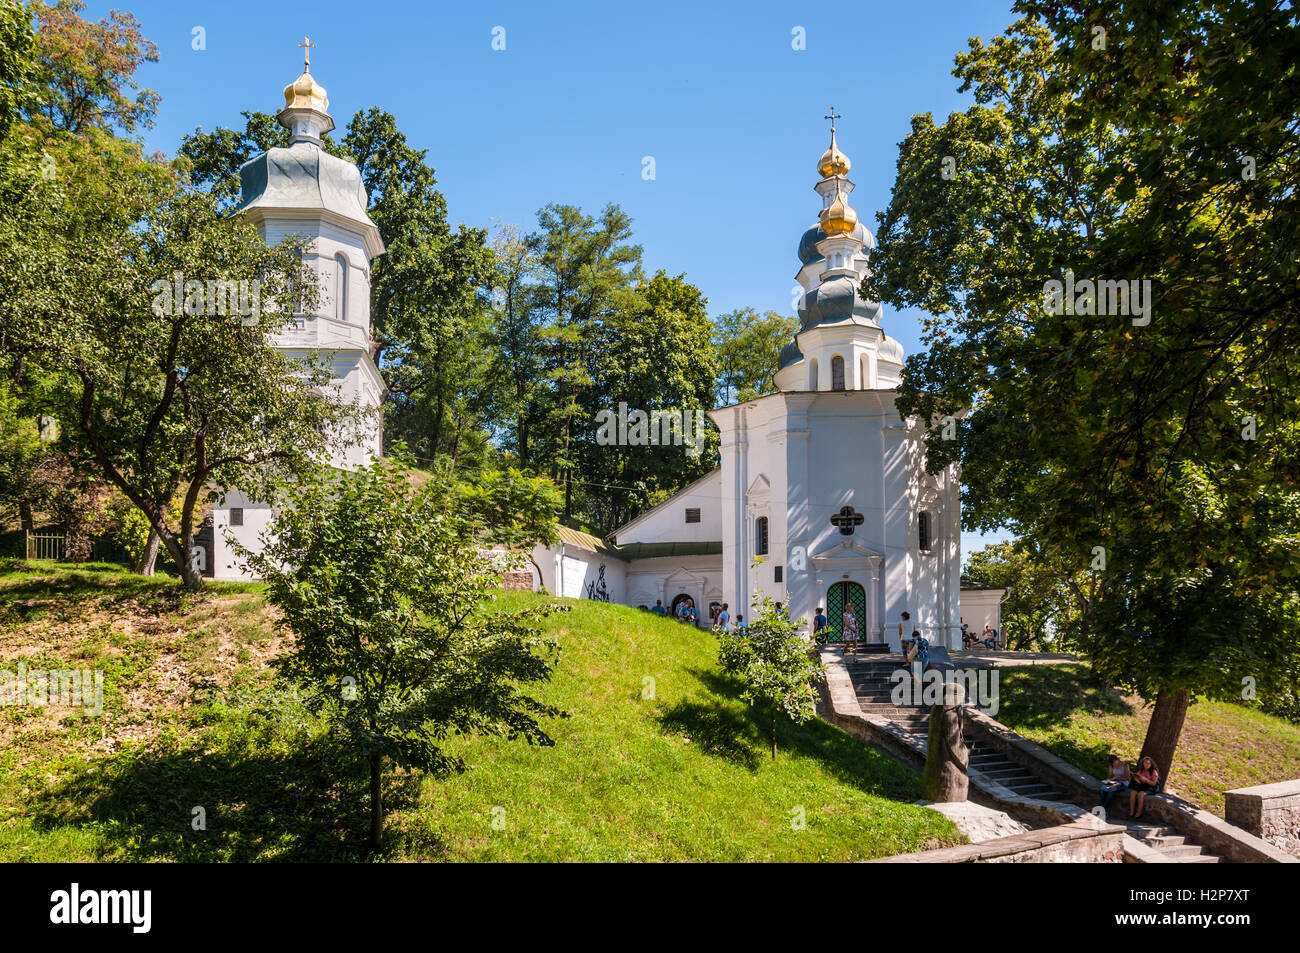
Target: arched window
x=837 y=373
x=760 y=536
x=862 y=381
x=812 y=374
x=340 y=287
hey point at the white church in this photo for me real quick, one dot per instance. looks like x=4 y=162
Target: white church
x=822 y=498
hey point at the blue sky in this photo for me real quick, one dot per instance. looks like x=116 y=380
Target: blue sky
x=730 y=112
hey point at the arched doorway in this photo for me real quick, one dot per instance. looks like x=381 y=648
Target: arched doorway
x=840 y=595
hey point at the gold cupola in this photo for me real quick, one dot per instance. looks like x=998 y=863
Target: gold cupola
x=305 y=93
x=306 y=105
x=833 y=161
x=838 y=218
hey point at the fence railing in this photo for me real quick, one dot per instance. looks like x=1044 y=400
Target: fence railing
x=45 y=545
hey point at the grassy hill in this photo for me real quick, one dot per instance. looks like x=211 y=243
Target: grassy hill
x=192 y=721
x=1067 y=710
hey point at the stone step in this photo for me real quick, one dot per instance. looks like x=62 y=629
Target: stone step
x=1144 y=831
x=1040 y=792
x=1183 y=851
x=1161 y=841
x=1202 y=859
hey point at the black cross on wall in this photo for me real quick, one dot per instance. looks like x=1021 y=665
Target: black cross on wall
x=846 y=519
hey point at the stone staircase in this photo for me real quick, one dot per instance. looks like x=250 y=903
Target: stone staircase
x=998 y=767
x=870 y=674
x=1171 y=844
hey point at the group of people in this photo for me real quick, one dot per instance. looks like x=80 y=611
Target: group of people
x=848 y=625
x=916 y=648
x=719 y=615
x=989 y=637
x=1139 y=783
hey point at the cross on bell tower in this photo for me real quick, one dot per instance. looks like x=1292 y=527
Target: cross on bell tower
x=307 y=45
x=832 y=117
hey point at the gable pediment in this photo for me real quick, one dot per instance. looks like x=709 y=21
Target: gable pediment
x=845 y=553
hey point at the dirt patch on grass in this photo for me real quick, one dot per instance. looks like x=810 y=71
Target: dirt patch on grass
x=158 y=648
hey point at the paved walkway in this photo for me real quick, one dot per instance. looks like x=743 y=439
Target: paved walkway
x=997 y=659
x=971 y=658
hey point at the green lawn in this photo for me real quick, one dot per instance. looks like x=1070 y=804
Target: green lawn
x=192 y=721
x=1067 y=710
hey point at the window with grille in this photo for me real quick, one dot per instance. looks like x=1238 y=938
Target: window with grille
x=837 y=373
x=692 y=514
x=236 y=516
x=760 y=536
x=923 y=533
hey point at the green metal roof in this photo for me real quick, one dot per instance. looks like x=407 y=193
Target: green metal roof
x=650 y=550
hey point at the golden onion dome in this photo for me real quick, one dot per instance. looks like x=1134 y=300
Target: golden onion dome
x=305 y=92
x=833 y=162
x=838 y=218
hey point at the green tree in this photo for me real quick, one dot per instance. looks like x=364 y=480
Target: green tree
x=587 y=269
x=653 y=354
x=396 y=643
x=1041 y=599
x=516 y=391
x=771 y=659
x=17 y=62
x=86 y=71
x=20 y=453
x=749 y=349
x=1115 y=442
x=510 y=508
x=169 y=395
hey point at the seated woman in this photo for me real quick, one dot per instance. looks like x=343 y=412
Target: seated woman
x=1145 y=780
x=1117 y=779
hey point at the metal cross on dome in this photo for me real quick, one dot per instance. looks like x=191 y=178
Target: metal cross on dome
x=846 y=519
x=307 y=45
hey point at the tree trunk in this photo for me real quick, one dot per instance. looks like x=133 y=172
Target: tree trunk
x=144 y=566
x=1165 y=728
x=181 y=555
x=25 y=514
x=376 y=803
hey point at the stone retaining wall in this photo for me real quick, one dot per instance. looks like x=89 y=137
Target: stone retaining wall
x=1269 y=811
x=1085 y=841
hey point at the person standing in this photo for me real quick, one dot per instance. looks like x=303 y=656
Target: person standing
x=904 y=631
x=918 y=654
x=850 y=623
x=659 y=608
x=723 y=618
x=819 y=623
